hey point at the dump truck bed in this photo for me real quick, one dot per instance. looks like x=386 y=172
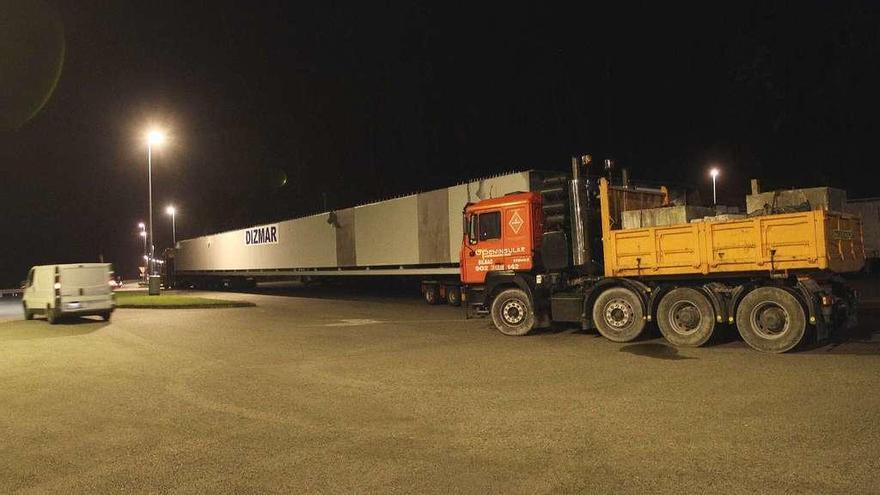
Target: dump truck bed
x=815 y=240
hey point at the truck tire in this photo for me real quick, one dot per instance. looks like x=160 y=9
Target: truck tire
x=512 y=312
x=51 y=315
x=432 y=294
x=771 y=319
x=106 y=315
x=453 y=295
x=618 y=315
x=686 y=317
x=28 y=314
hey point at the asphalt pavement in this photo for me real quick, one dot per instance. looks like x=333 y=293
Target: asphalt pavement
x=310 y=393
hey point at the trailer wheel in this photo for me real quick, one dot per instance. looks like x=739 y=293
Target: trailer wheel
x=686 y=317
x=512 y=312
x=28 y=315
x=453 y=295
x=432 y=294
x=771 y=319
x=618 y=315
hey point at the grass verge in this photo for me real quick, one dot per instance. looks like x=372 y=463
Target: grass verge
x=166 y=300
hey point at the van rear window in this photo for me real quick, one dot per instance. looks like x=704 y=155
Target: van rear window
x=85 y=277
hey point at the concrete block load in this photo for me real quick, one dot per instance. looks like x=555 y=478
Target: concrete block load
x=667 y=215
x=812 y=198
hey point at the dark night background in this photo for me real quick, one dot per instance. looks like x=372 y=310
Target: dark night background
x=369 y=100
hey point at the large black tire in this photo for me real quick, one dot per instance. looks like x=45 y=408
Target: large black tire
x=618 y=315
x=51 y=315
x=453 y=295
x=106 y=315
x=512 y=312
x=28 y=314
x=771 y=319
x=686 y=317
x=432 y=294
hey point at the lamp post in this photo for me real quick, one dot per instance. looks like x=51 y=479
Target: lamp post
x=143 y=234
x=171 y=210
x=714 y=173
x=154 y=137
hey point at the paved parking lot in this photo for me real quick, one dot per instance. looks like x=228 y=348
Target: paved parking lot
x=389 y=395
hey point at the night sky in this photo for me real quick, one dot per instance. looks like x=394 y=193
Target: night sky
x=274 y=106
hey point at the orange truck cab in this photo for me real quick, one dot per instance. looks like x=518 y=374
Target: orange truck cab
x=501 y=234
x=561 y=254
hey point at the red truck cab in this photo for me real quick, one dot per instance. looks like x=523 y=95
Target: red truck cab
x=500 y=234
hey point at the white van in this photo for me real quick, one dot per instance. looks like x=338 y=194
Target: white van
x=61 y=290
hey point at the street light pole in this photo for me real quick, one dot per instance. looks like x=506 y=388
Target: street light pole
x=150 y=189
x=714 y=173
x=171 y=210
x=153 y=137
x=143 y=234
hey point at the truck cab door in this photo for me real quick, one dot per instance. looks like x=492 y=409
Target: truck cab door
x=484 y=251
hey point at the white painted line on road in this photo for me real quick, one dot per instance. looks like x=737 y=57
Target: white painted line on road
x=353 y=323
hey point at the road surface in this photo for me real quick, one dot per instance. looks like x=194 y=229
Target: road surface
x=387 y=395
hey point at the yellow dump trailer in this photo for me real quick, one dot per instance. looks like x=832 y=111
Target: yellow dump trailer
x=805 y=241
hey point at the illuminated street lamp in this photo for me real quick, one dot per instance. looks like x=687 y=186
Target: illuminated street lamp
x=155 y=137
x=171 y=210
x=714 y=173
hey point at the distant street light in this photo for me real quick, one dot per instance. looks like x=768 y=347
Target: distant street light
x=714 y=173
x=155 y=137
x=171 y=210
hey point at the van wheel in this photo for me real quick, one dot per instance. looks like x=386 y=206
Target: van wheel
x=685 y=317
x=28 y=315
x=618 y=315
x=512 y=312
x=51 y=316
x=771 y=319
x=106 y=315
x=453 y=296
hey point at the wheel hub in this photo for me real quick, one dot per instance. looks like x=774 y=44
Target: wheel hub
x=773 y=319
x=513 y=312
x=769 y=320
x=685 y=317
x=618 y=313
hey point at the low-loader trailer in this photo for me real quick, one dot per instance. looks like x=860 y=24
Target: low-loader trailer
x=560 y=253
